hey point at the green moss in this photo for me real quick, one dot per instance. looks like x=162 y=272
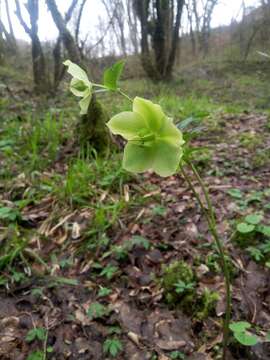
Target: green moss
x=199 y=305
x=206 y=304
x=92 y=129
x=250 y=140
x=261 y=159
x=177 y=272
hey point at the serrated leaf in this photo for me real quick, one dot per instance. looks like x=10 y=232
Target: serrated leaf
x=265 y=230
x=97 y=310
x=253 y=219
x=112 y=75
x=37 y=333
x=245 y=228
x=112 y=347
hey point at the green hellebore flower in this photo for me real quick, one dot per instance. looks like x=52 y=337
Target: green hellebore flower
x=154 y=142
x=80 y=85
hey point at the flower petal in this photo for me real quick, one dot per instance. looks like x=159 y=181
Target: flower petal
x=152 y=113
x=167 y=158
x=84 y=103
x=127 y=124
x=138 y=158
x=170 y=133
x=76 y=71
x=79 y=88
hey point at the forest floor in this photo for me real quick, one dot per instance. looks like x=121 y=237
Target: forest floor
x=96 y=263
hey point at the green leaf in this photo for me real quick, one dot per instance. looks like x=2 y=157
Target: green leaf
x=66 y=281
x=37 y=333
x=109 y=271
x=267 y=338
x=253 y=219
x=140 y=241
x=112 y=347
x=246 y=339
x=245 y=228
x=103 y=291
x=235 y=193
x=97 y=310
x=265 y=230
x=112 y=75
x=37 y=355
x=7 y=213
x=239 y=326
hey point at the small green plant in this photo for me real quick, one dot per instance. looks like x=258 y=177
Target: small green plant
x=112 y=347
x=109 y=271
x=242 y=335
x=103 y=292
x=9 y=214
x=36 y=355
x=97 y=311
x=154 y=143
x=177 y=355
x=181 y=287
x=178 y=283
x=36 y=334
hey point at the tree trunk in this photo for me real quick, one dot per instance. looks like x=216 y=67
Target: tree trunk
x=92 y=129
x=163 y=29
x=11 y=31
x=41 y=80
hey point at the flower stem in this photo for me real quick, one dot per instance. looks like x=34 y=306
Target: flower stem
x=210 y=216
x=125 y=95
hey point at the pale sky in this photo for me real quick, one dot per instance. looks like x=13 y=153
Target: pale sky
x=224 y=12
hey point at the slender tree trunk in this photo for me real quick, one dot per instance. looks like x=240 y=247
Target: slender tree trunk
x=11 y=31
x=175 y=39
x=59 y=68
x=41 y=80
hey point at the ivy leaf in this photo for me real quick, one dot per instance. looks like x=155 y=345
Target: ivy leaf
x=240 y=326
x=246 y=339
x=253 y=219
x=245 y=228
x=112 y=75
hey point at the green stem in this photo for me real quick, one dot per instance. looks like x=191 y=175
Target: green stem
x=125 y=95
x=210 y=216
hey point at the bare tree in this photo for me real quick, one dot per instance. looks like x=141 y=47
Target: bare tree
x=200 y=14
x=117 y=8
x=92 y=128
x=59 y=68
x=10 y=25
x=78 y=23
x=41 y=79
x=160 y=21
x=133 y=25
